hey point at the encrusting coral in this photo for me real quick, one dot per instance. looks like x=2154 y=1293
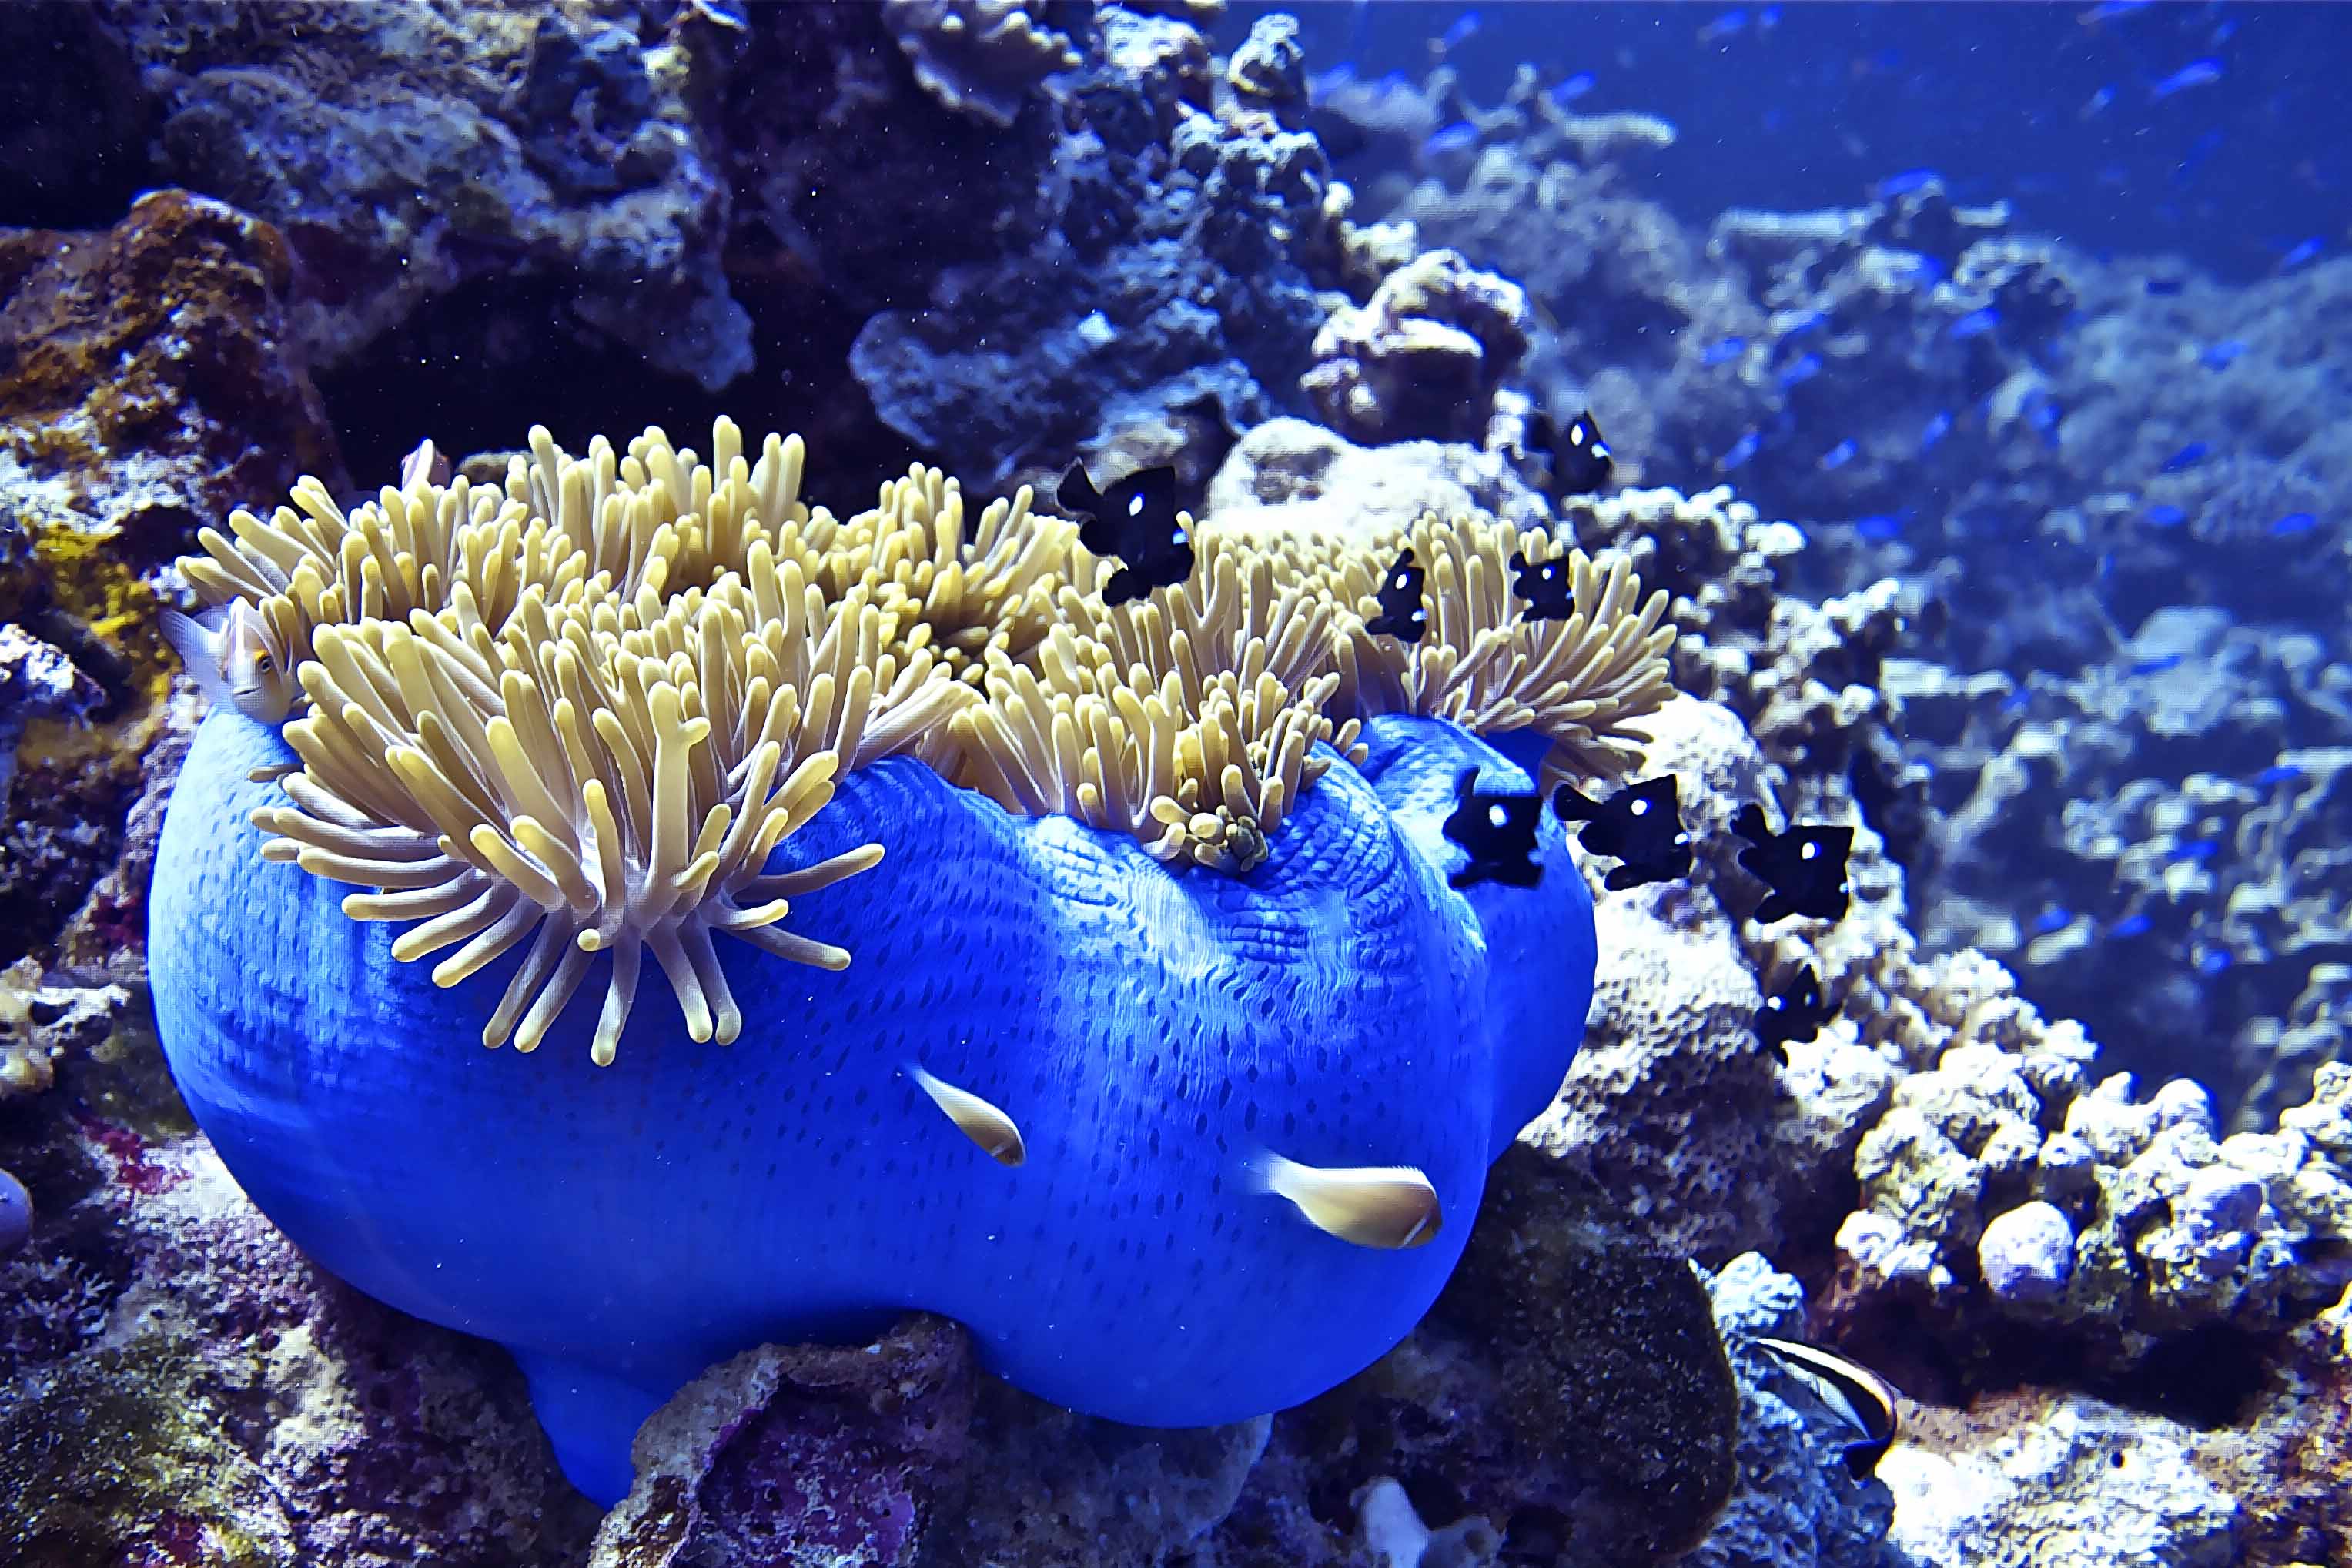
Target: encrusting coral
x=1155 y=894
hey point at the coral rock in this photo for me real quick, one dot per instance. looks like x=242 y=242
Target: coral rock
x=2057 y=1481
x=1423 y=359
x=979 y=58
x=179 y=1384
x=2028 y=1253
x=849 y=1458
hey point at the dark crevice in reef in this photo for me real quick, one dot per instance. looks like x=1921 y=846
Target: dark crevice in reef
x=75 y=123
x=1900 y=816
x=499 y=354
x=2206 y=1377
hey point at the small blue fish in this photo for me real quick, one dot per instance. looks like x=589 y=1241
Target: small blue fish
x=1810 y=322
x=2098 y=103
x=1801 y=371
x=2224 y=354
x=2130 y=926
x=2187 y=457
x=2204 y=147
x=1723 y=351
x=1459 y=137
x=1837 y=456
x=1574 y=87
x=2211 y=962
x=1465 y=28
x=2293 y=523
x=2224 y=33
x=2158 y=665
x=1902 y=185
x=2196 y=850
x=1323 y=84
x=1922 y=266
x=2196 y=73
x=2277 y=773
x=2164 y=516
x=1768 y=19
x=2054 y=919
x=1724 y=26
x=2299 y=254
x=1741 y=451
x=2017 y=701
x=2044 y=415
x=2111 y=10
x=1939 y=426
x=1879 y=527
x=1977 y=323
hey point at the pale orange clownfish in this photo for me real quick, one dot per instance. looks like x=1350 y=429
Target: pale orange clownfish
x=235 y=658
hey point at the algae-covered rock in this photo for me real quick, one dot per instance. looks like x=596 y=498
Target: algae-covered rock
x=151 y=385
x=898 y=1452
x=1570 y=1386
x=846 y=1457
x=179 y=1385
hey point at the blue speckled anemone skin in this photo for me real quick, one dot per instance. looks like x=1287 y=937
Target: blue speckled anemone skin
x=620 y=1229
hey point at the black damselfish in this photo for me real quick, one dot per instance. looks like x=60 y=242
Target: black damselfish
x=1804 y=867
x=1135 y=521
x=1547 y=586
x=1497 y=831
x=1641 y=825
x=1792 y=1011
x=1581 y=459
x=1402 y=615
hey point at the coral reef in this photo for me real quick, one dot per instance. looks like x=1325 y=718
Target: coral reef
x=2064 y=1480
x=2073 y=1206
x=979 y=58
x=1094 y=327
x=850 y=1454
x=1423 y=359
x=152 y=380
x=2097 y=799
x=179 y=1384
x=406 y=152
x=2199 y=849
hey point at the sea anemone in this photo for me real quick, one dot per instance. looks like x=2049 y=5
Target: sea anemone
x=1154 y=894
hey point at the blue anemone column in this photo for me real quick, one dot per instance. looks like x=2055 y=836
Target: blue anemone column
x=1150 y=1030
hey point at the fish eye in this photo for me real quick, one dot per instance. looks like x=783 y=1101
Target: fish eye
x=261 y=661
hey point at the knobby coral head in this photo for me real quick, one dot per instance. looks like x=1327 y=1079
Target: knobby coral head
x=1087 y=973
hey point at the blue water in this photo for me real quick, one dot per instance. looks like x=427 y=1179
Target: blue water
x=2048 y=106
